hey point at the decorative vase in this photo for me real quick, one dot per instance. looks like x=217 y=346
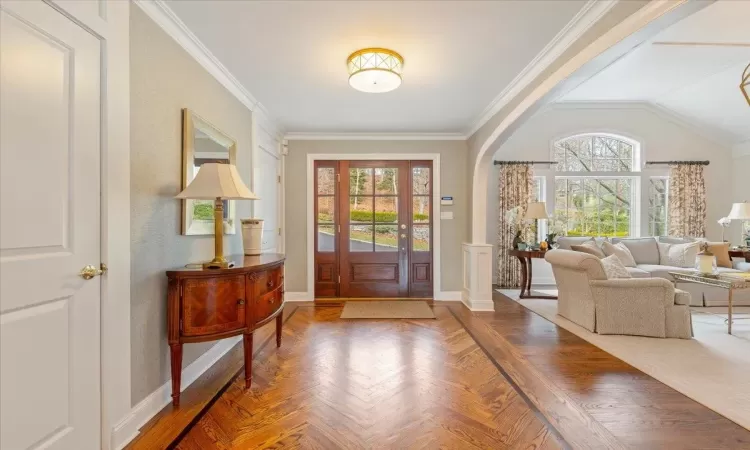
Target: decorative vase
x=252 y=236
x=517 y=240
x=551 y=240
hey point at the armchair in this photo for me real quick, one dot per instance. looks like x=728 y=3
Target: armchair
x=631 y=306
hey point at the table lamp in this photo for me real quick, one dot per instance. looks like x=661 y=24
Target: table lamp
x=536 y=211
x=217 y=182
x=740 y=211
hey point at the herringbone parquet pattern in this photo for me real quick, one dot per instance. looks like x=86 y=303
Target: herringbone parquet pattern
x=363 y=384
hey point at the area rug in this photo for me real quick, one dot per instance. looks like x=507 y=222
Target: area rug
x=403 y=309
x=712 y=369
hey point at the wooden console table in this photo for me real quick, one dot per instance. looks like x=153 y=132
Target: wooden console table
x=211 y=304
x=525 y=257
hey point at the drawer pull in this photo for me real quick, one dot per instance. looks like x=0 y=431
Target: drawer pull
x=241 y=301
x=270 y=283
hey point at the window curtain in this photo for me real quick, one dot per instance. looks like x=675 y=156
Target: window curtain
x=687 y=201
x=515 y=188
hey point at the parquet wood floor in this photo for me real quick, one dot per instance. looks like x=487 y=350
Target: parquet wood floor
x=371 y=385
x=508 y=379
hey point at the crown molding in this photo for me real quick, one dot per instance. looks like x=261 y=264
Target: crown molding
x=168 y=21
x=375 y=136
x=589 y=14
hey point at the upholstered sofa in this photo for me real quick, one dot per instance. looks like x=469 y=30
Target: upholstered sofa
x=631 y=306
x=645 y=251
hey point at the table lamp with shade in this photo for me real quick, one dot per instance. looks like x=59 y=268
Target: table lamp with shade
x=740 y=211
x=536 y=211
x=217 y=182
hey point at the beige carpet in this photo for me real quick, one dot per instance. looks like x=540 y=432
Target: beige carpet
x=380 y=309
x=712 y=369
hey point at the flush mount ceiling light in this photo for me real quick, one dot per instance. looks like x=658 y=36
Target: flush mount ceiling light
x=745 y=83
x=375 y=70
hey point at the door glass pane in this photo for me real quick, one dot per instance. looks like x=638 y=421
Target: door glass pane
x=326 y=238
x=360 y=209
x=326 y=207
x=360 y=238
x=420 y=238
x=386 y=238
x=386 y=209
x=421 y=209
x=386 y=181
x=326 y=177
x=420 y=180
x=360 y=181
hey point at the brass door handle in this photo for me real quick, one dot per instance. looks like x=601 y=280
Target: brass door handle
x=240 y=302
x=270 y=283
x=90 y=271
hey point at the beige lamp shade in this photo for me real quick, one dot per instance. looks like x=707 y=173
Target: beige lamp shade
x=215 y=180
x=740 y=211
x=536 y=210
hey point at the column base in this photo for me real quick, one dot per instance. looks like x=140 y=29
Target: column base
x=477 y=277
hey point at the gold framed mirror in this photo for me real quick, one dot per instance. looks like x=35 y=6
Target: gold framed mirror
x=204 y=143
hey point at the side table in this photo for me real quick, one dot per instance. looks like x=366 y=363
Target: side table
x=525 y=257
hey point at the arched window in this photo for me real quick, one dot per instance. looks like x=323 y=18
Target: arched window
x=597 y=186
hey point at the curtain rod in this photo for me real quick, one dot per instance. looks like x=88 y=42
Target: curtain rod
x=513 y=163
x=689 y=163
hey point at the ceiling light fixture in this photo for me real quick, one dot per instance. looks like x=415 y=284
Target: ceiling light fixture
x=375 y=70
x=745 y=83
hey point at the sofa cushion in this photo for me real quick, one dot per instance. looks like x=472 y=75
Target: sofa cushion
x=613 y=268
x=637 y=273
x=678 y=255
x=659 y=271
x=721 y=251
x=621 y=251
x=565 y=242
x=676 y=240
x=681 y=297
x=589 y=247
x=644 y=250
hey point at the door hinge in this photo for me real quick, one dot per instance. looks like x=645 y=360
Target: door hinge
x=279 y=178
x=339 y=228
x=339 y=279
x=338 y=177
x=279 y=231
x=180 y=290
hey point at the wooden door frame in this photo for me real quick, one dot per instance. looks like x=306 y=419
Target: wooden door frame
x=437 y=292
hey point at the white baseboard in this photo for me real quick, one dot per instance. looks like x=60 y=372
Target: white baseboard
x=128 y=428
x=298 y=297
x=448 y=296
x=476 y=305
x=544 y=281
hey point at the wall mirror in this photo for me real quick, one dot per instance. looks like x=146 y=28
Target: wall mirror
x=203 y=143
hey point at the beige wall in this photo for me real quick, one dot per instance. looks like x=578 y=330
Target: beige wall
x=453 y=159
x=164 y=79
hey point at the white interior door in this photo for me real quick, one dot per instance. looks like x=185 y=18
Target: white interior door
x=49 y=229
x=267 y=208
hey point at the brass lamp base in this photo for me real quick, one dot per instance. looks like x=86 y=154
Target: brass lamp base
x=219 y=262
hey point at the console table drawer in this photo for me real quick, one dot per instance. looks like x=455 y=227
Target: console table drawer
x=213 y=305
x=270 y=280
x=267 y=304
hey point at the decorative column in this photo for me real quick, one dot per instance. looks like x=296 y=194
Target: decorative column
x=477 y=277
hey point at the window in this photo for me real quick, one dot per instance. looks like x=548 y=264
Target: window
x=597 y=185
x=657 y=206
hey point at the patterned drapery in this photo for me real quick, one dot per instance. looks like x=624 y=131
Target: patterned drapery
x=515 y=188
x=687 y=201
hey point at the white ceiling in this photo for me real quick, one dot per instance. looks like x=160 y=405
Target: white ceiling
x=697 y=82
x=459 y=55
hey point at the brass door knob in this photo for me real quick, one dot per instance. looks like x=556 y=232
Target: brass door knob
x=90 y=271
x=240 y=302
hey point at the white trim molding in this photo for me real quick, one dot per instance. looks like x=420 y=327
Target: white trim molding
x=310 y=219
x=129 y=427
x=292 y=297
x=312 y=136
x=591 y=12
x=167 y=20
x=477 y=277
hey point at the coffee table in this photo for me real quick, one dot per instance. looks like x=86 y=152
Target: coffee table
x=727 y=282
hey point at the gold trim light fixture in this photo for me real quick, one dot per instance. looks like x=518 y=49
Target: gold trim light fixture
x=375 y=70
x=745 y=83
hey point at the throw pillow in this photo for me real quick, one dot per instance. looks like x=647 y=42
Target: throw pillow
x=589 y=247
x=621 y=251
x=678 y=255
x=614 y=269
x=721 y=251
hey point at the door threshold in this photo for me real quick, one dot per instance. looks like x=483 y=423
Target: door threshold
x=341 y=300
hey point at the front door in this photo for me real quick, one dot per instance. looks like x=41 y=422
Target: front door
x=50 y=138
x=373 y=229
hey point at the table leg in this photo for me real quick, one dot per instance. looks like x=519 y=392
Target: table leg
x=524 y=274
x=279 y=324
x=528 y=278
x=730 y=311
x=247 y=341
x=175 y=351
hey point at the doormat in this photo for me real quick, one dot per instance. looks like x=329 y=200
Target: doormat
x=404 y=309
